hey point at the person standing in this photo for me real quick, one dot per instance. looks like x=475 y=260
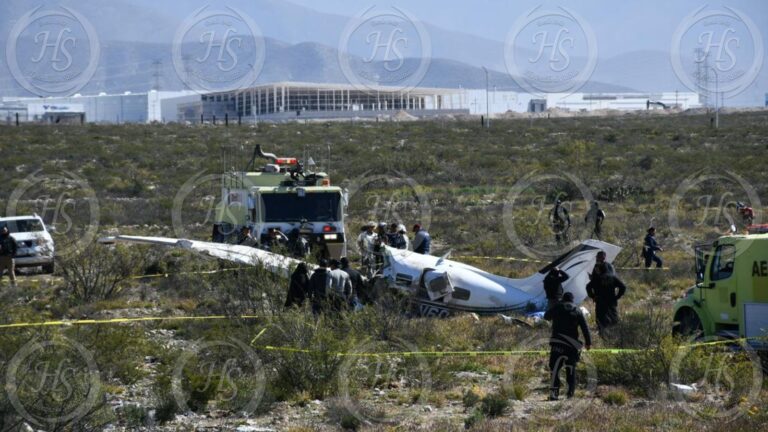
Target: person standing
x=8 y=248
x=650 y=247
x=553 y=286
x=606 y=290
x=319 y=285
x=298 y=287
x=595 y=217
x=340 y=293
x=600 y=259
x=365 y=246
x=565 y=346
x=560 y=220
x=359 y=292
x=421 y=240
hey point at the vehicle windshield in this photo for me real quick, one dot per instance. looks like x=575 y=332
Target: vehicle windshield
x=290 y=207
x=24 y=225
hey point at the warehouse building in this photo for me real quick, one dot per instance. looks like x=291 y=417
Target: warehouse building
x=292 y=100
x=102 y=108
x=503 y=101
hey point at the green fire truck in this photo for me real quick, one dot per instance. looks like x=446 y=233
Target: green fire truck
x=282 y=203
x=730 y=298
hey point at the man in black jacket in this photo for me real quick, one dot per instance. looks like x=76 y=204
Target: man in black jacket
x=565 y=346
x=602 y=289
x=553 y=286
x=8 y=248
x=359 y=291
x=299 y=286
x=319 y=284
x=650 y=247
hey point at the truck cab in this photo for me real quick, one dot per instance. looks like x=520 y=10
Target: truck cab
x=282 y=204
x=730 y=298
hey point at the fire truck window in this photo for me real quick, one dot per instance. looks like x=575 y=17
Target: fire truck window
x=722 y=265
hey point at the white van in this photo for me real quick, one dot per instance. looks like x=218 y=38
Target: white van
x=33 y=239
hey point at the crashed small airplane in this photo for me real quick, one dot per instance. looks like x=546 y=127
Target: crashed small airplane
x=438 y=286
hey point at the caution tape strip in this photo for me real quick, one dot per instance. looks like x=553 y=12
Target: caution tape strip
x=148 y=276
x=122 y=320
x=612 y=351
x=165 y=275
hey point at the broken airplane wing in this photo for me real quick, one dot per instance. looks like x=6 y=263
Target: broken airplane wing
x=439 y=286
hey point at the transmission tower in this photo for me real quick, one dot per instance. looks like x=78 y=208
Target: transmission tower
x=701 y=57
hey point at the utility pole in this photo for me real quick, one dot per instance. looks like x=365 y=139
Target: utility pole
x=717 y=109
x=487 y=102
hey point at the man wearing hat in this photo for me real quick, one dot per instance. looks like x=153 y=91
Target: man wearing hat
x=650 y=247
x=565 y=346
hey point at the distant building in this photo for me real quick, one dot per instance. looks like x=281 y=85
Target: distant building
x=103 y=108
x=10 y=111
x=509 y=101
x=294 y=100
x=290 y=101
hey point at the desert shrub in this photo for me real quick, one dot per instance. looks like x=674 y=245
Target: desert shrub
x=96 y=272
x=494 y=404
x=475 y=418
x=295 y=371
x=643 y=370
x=616 y=397
x=471 y=398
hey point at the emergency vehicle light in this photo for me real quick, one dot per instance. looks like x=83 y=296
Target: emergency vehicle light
x=287 y=161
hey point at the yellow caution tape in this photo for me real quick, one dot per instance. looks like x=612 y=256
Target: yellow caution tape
x=165 y=275
x=612 y=351
x=122 y=320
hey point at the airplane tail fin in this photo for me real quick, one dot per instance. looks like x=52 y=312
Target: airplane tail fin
x=578 y=264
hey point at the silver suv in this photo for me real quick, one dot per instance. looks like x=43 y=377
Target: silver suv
x=35 y=245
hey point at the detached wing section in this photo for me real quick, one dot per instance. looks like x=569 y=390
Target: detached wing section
x=274 y=263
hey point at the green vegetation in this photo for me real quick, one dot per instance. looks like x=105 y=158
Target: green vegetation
x=464 y=176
